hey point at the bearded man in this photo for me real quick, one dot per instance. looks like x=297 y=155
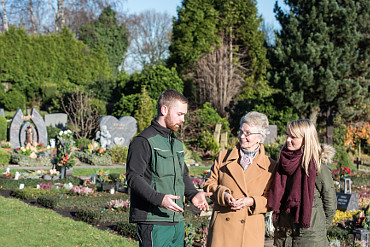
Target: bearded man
x=158 y=177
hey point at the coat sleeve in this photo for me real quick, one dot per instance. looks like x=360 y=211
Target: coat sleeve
x=328 y=195
x=212 y=184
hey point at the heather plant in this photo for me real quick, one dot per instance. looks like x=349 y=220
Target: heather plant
x=82 y=190
x=118 y=205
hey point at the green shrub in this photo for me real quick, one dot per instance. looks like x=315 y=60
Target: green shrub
x=31 y=193
x=3 y=128
x=118 y=154
x=4 y=157
x=127 y=229
x=14 y=100
x=24 y=160
x=93 y=159
x=49 y=91
x=341 y=157
x=82 y=142
x=99 y=106
x=272 y=151
x=53 y=132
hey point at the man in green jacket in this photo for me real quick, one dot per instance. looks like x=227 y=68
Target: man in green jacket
x=158 y=177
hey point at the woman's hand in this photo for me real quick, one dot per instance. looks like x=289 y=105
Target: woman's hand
x=229 y=198
x=242 y=203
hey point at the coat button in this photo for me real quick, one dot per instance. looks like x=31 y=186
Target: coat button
x=242 y=221
x=227 y=219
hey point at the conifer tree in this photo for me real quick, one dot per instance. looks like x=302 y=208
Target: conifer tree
x=218 y=46
x=320 y=60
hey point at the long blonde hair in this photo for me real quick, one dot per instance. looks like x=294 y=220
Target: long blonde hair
x=311 y=148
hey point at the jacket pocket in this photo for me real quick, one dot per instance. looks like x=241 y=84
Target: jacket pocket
x=181 y=159
x=163 y=165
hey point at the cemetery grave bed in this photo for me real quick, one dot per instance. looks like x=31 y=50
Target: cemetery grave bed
x=89 y=209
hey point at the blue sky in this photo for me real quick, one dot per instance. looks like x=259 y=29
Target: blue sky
x=265 y=7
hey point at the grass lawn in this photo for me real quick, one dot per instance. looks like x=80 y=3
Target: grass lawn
x=24 y=225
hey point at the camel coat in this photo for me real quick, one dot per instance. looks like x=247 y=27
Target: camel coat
x=245 y=227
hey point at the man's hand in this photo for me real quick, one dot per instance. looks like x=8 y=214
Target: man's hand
x=167 y=203
x=199 y=200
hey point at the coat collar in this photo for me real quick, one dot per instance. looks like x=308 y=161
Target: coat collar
x=243 y=179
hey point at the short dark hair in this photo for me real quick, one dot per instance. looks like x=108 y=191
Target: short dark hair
x=168 y=97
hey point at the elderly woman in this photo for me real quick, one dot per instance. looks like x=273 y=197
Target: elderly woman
x=239 y=181
x=302 y=193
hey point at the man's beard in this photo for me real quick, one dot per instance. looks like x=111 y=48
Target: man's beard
x=171 y=125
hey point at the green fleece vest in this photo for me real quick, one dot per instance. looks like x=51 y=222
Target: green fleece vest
x=167 y=175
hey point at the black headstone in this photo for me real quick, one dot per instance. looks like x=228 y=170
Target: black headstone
x=347 y=202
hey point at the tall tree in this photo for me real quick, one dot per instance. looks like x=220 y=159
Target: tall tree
x=105 y=32
x=150 y=36
x=321 y=57
x=219 y=46
x=4 y=17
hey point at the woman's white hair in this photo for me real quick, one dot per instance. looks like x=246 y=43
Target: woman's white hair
x=259 y=120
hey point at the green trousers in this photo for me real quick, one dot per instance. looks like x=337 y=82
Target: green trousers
x=161 y=235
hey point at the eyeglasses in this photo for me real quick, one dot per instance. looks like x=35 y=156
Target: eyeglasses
x=240 y=133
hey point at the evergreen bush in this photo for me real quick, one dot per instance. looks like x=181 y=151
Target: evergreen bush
x=4 y=157
x=118 y=154
x=127 y=229
x=82 y=142
x=14 y=100
x=32 y=193
x=53 y=132
x=3 y=128
x=93 y=159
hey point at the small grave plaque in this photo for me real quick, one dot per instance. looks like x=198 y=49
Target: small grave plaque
x=271 y=137
x=121 y=130
x=347 y=202
x=2 y=112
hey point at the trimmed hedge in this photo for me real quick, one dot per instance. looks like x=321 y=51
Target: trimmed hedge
x=127 y=229
x=10 y=184
x=3 y=128
x=32 y=193
x=4 y=157
x=98 y=200
x=98 y=215
x=24 y=160
x=94 y=160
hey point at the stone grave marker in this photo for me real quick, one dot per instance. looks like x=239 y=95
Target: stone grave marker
x=271 y=138
x=2 y=112
x=58 y=120
x=15 y=128
x=121 y=131
x=347 y=202
x=42 y=134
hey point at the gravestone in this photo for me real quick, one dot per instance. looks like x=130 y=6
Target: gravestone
x=42 y=134
x=23 y=133
x=121 y=130
x=15 y=128
x=2 y=112
x=271 y=137
x=16 y=131
x=58 y=120
x=347 y=202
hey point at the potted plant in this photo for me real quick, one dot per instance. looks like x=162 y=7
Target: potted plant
x=103 y=181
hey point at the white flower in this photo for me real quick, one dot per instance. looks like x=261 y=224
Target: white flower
x=69 y=132
x=61 y=133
